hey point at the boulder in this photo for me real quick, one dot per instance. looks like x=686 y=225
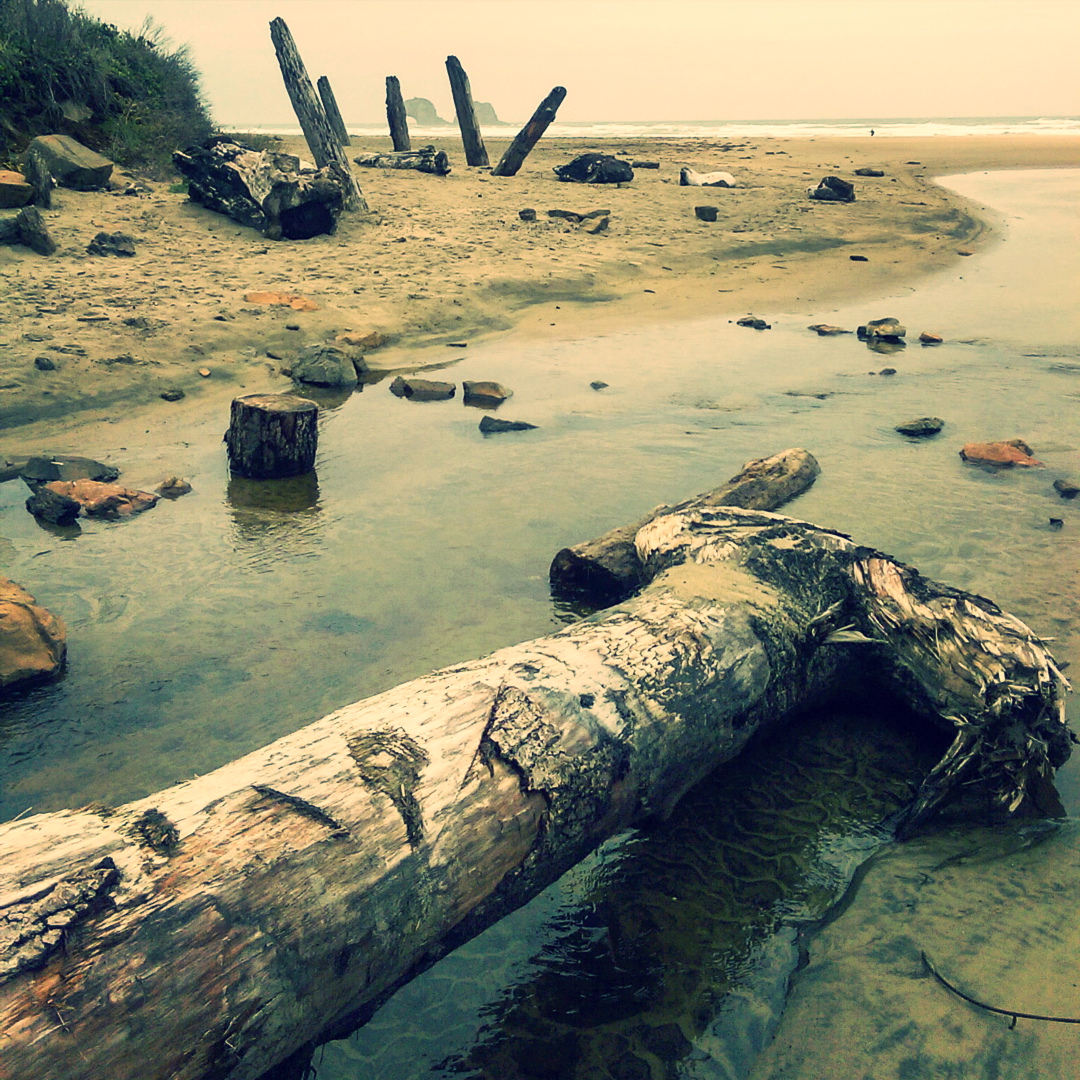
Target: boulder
x=324 y=365
x=595 y=169
x=706 y=213
x=486 y=395
x=266 y=191
x=833 y=189
x=924 y=425
x=689 y=178
x=100 y=500
x=492 y=425
x=71 y=164
x=14 y=190
x=869 y=172
x=422 y=389
x=42 y=469
x=887 y=329
x=115 y=243
x=33 y=641
x=1000 y=454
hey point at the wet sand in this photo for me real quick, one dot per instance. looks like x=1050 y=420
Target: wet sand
x=438 y=260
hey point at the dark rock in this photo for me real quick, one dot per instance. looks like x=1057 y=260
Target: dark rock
x=492 y=425
x=645 y=164
x=44 y=363
x=887 y=371
x=858 y=258
x=927 y=338
x=593 y=224
x=1067 y=489
x=261 y=189
x=598 y=384
x=753 y=322
x=565 y=215
x=33 y=641
x=70 y=163
x=528 y=214
x=833 y=189
x=486 y=395
x=869 y=172
x=41 y=470
x=325 y=365
x=172 y=394
x=1057 y=523
x=595 y=169
x=116 y=243
x=53 y=506
x=423 y=112
x=28 y=227
x=887 y=329
x=422 y=389
x=924 y=425
x=706 y=213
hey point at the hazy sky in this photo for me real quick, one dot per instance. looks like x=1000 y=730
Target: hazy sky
x=640 y=59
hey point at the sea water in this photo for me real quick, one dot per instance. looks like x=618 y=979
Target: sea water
x=222 y=620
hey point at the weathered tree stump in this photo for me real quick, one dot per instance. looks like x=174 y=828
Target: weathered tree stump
x=272 y=435
x=475 y=151
x=27 y=227
x=333 y=113
x=427 y=160
x=530 y=134
x=37 y=174
x=396 y=116
x=320 y=135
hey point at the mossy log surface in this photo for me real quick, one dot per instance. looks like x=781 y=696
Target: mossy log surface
x=214 y=929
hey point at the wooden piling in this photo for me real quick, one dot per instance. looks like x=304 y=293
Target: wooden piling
x=333 y=113
x=272 y=435
x=395 y=115
x=530 y=134
x=475 y=151
x=320 y=136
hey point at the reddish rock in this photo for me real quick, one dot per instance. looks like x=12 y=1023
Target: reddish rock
x=373 y=339
x=1001 y=454
x=14 y=190
x=33 y=641
x=422 y=389
x=487 y=395
x=928 y=338
x=104 y=500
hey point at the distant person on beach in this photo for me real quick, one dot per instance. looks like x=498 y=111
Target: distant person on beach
x=871 y=133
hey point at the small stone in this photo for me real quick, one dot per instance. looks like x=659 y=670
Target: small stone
x=488 y=395
x=888 y=328
x=44 y=363
x=858 y=258
x=965 y=252
x=373 y=339
x=706 y=213
x=928 y=338
x=204 y=372
x=172 y=394
x=1067 y=489
x=887 y=371
x=598 y=384
x=117 y=243
x=924 y=425
x=528 y=214
x=833 y=189
x=753 y=322
x=825 y=330
x=491 y=425
x=422 y=389
x=595 y=225
x=1057 y=523
x=869 y=172
x=292 y=326
x=565 y=215
x=172 y=487
x=1000 y=454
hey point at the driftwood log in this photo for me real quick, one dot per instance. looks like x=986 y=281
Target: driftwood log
x=471 y=138
x=333 y=113
x=427 y=160
x=318 y=131
x=396 y=116
x=529 y=135
x=272 y=435
x=218 y=927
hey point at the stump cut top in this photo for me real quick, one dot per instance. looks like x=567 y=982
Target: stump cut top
x=281 y=403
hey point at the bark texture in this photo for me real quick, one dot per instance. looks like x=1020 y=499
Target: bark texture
x=396 y=116
x=529 y=135
x=473 y=141
x=333 y=113
x=427 y=159
x=210 y=930
x=272 y=435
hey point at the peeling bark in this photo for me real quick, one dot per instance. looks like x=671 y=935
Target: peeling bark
x=213 y=929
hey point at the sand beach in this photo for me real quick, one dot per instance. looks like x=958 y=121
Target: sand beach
x=441 y=260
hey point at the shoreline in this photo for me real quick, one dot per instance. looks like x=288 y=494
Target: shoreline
x=447 y=259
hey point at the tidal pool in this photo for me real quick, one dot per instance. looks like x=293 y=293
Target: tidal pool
x=222 y=620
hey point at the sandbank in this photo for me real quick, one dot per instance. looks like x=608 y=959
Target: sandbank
x=447 y=260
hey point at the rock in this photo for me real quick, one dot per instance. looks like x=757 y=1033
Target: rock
x=753 y=322
x=324 y=365
x=204 y=372
x=14 y=190
x=887 y=371
x=1067 y=489
x=172 y=487
x=174 y=393
x=599 y=384
x=1057 y=523
x=887 y=329
x=528 y=214
x=706 y=213
x=488 y=395
x=689 y=178
x=266 y=191
x=422 y=389
x=44 y=363
x=930 y=339
x=566 y=215
x=595 y=169
x=116 y=243
x=492 y=425
x=1001 y=454
x=71 y=164
x=825 y=330
x=292 y=300
x=27 y=227
x=101 y=500
x=869 y=172
x=53 y=506
x=33 y=641
x=833 y=189
x=373 y=339
x=423 y=112
x=41 y=470
x=858 y=258
x=924 y=425
x=594 y=224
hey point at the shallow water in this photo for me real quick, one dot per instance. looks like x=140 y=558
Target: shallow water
x=226 y=618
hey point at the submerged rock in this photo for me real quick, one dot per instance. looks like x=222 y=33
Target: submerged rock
x=492 y=425
x=486 y=395
x=422 y=389
x=924 y=425
x=94 y=498
x=1000 y=454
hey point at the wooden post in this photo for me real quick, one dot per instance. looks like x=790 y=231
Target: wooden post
x=475 y=151
x=320 y=136
x=272 y=435
x=333 y=113
x=528 y=136
x=395 y=115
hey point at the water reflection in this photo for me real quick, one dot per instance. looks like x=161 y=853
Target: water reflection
x=274 y=520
